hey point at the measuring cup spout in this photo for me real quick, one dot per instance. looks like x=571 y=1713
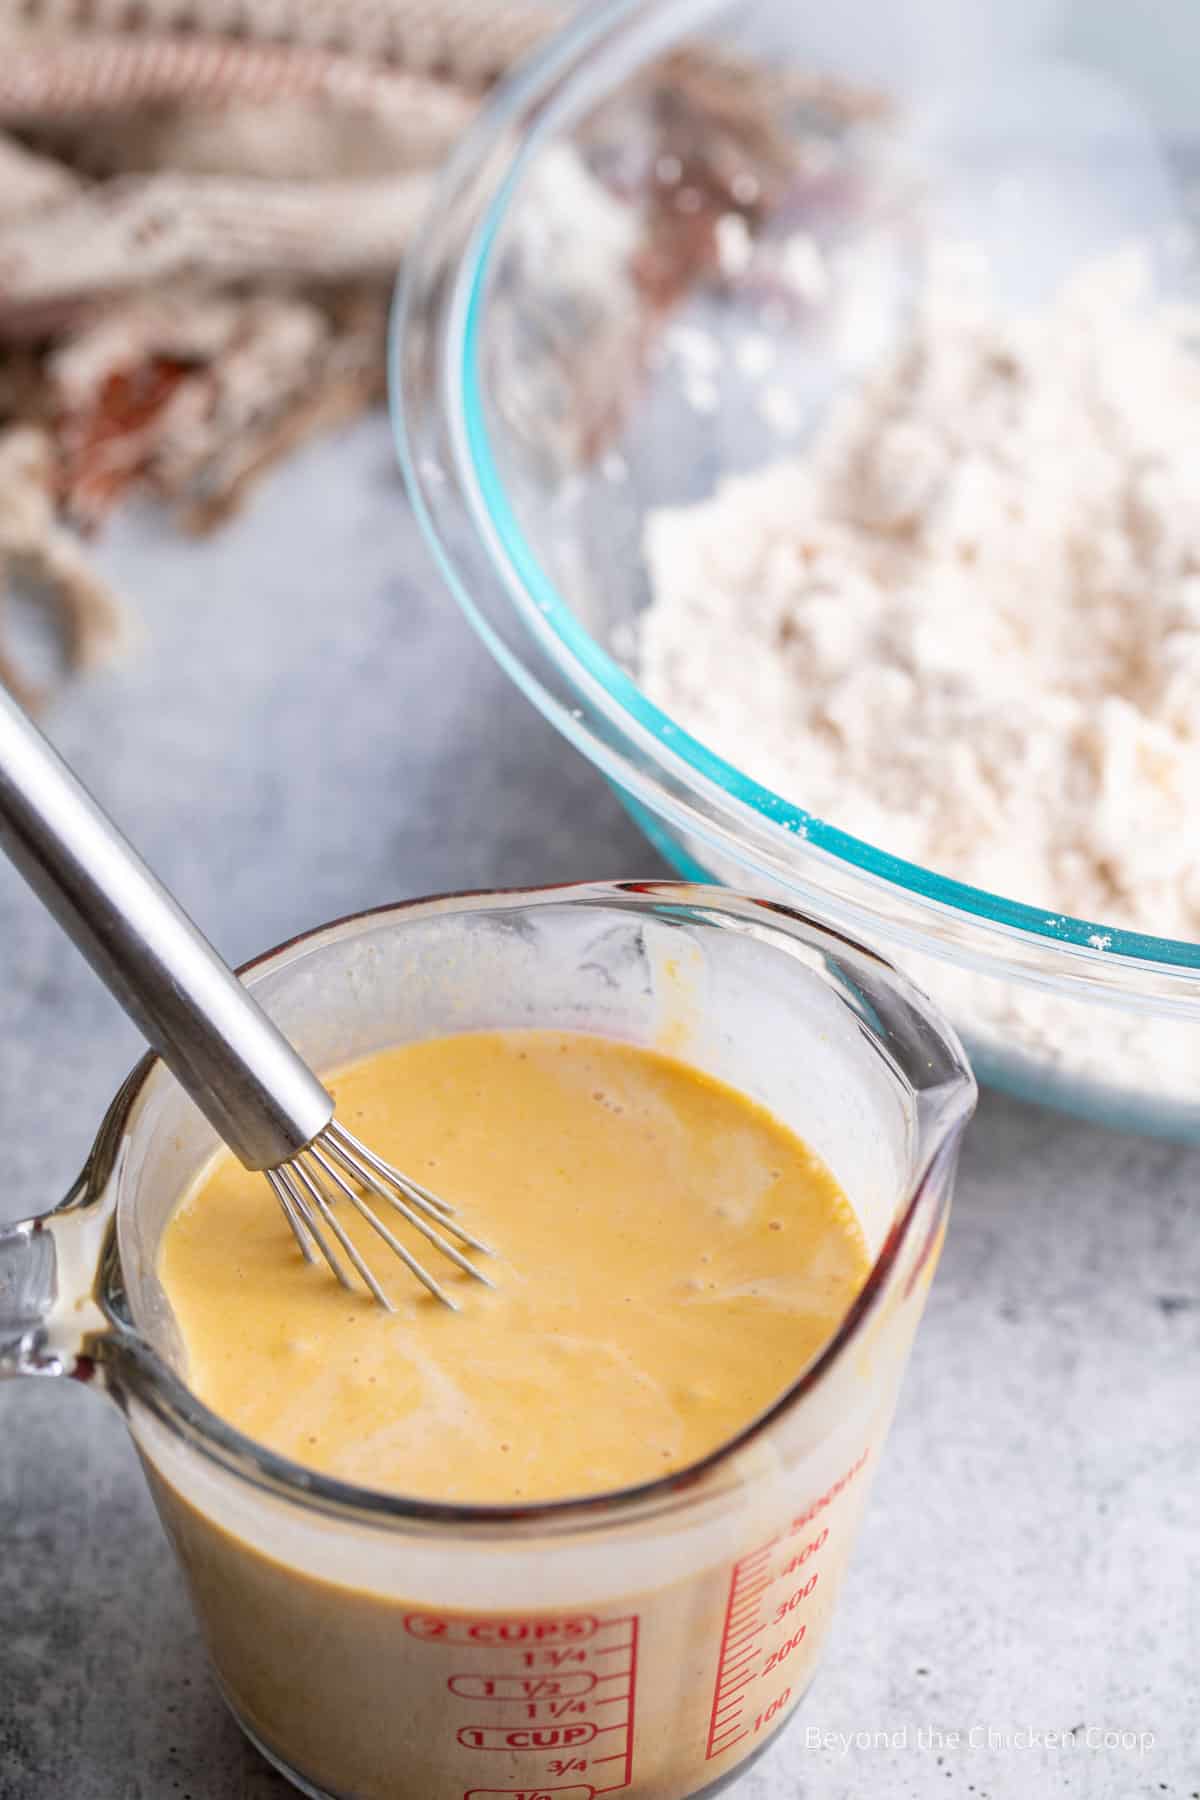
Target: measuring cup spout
x=943 y=1113
x=51 y=1319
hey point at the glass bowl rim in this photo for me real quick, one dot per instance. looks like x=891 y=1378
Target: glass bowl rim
x=1086 y=947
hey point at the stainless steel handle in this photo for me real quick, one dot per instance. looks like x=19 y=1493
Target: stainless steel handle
x=238 y=1068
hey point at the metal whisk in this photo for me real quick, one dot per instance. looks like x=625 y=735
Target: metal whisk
x=259 y=1095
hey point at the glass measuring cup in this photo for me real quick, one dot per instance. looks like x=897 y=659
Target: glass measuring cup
x=649 y=1642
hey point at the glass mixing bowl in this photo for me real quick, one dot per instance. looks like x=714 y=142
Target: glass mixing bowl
x=579 y=340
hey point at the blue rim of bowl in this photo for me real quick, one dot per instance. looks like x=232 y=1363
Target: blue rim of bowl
x=545 y=607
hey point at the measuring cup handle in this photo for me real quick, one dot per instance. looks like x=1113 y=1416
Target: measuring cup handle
x=50 y=1318
x=47 y=1270
x=28 y=1292
x=28 y=1268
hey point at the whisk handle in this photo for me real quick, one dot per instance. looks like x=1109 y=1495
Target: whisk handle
x=237 y=1066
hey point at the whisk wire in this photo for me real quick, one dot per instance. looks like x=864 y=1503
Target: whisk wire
x=390 y=1239
x=396 y=1194
x=290 y=1214
x=317 y=1196
x=419 y=1195
x=336 y=1166
x=297 y=1207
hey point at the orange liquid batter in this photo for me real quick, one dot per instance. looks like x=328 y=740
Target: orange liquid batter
x=670 y=1256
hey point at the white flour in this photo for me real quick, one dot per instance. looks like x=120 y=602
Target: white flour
x=966 y=626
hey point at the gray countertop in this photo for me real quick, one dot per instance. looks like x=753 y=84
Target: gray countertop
x=307 y=727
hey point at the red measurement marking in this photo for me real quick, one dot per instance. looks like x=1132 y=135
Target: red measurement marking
x=719 y=1691
x=523 y=1687
x=555 y=1694
x=504 y=1634
x=525 y=1737
x=551 y=1793
x=633 y=1672
x=746 y=1629
x=830 y=1495
x=757 y=1603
